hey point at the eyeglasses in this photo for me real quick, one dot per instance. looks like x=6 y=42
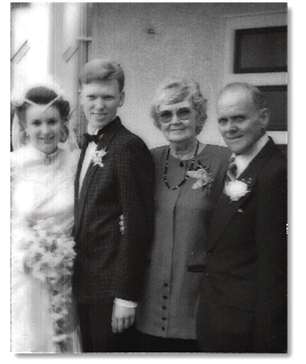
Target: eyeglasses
x=183 y=113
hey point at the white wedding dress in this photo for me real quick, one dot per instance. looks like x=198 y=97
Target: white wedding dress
x=42 y=195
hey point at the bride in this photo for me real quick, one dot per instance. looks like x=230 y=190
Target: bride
x=42 y=250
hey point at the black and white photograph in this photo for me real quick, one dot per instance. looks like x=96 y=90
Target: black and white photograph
x=148 y=179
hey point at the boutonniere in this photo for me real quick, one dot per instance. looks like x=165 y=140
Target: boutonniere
x=236 y=189
x=202 y=176
x=97 y=157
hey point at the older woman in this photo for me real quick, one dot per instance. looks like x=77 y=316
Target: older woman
x=186 y=175
x=42 y=219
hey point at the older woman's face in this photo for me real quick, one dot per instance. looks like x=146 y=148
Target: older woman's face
x=177 y=121
x=43 y=127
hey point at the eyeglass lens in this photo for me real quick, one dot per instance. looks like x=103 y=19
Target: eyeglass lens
x=182 y=114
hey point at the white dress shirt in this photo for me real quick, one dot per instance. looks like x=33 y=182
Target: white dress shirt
x=243 y=160
x=91 y=147
x=86 y=162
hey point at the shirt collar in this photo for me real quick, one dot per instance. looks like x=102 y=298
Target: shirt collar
x=243 y=160
x=91 y=130
x=94 y=131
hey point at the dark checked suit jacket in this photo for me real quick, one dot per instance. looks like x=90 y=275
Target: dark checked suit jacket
x=108 y=263
x=247 y=256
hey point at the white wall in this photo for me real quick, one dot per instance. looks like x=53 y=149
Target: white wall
x=67 y=52
x=153 y=41
x=30 y=26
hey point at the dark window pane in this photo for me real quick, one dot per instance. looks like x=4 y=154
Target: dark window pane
x=261 y=50
x=277 y=102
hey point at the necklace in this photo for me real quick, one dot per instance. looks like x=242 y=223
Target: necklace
x=165 y=172
x=49 y=158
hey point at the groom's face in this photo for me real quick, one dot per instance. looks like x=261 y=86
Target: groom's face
x=100 y=101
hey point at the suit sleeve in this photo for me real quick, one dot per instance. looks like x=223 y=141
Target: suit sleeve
x=271 y=239
x=135 y=171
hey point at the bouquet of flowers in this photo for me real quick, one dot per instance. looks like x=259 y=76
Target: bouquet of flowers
x=49 y=258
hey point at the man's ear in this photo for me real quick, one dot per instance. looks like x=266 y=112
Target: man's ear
x=264 y=117
x=122 y=98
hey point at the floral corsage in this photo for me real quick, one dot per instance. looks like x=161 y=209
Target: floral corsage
x=202 y=176
x=97 y=157
x=236 y=189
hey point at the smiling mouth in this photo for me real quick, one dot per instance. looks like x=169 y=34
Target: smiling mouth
x=47 y=141
x=99 y=114
x=234 y=138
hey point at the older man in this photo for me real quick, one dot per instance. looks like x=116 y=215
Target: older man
x=243 y=305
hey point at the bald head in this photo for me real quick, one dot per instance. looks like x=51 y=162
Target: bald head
x=246 y=89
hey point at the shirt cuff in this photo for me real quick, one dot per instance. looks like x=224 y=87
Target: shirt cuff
x=125 y=303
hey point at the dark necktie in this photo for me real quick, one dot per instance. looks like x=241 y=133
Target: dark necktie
x=93 y=138
x=232 y=170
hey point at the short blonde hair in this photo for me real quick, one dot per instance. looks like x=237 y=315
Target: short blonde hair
x=102 y=70
x=176 y=90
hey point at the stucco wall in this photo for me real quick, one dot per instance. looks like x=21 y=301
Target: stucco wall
x=153 y=41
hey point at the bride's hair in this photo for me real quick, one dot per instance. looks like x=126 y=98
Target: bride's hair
x=38 y=95
x=42 y=95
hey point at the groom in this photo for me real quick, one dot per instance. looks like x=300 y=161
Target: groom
x=243 y=304
x=114 y=178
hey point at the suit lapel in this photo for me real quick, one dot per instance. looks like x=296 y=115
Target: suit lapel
x=226 y=208
x=224 y=211
x=109 y=133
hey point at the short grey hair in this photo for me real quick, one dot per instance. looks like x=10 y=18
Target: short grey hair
x=175 y=90
x=257 y=96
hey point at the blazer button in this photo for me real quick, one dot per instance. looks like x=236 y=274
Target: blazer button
x=164 y=307
x=165 y=297
x=163 y=328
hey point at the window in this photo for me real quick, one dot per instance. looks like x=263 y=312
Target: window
x=277 y=102
x=260 y=50
x=255 y=51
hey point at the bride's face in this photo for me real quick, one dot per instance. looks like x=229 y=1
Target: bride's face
x=43 y=127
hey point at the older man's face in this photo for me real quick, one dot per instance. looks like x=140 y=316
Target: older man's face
x=240 y=123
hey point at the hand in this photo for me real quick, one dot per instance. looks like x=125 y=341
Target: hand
x=122 y=318
x=121 y=224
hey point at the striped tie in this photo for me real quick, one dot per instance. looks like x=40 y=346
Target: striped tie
x=231 y=173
